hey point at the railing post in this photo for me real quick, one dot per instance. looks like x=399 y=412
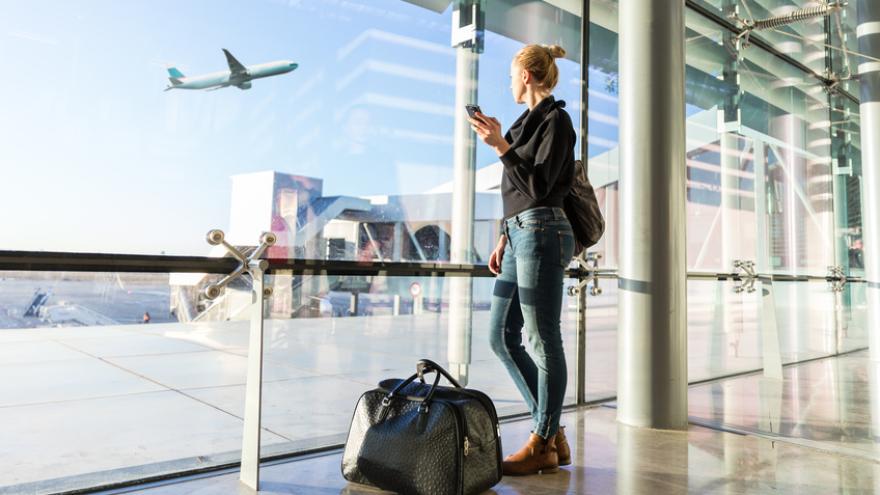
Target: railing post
x=588 y=263
x=581 y=375
x=250 y=443
x=253 y=403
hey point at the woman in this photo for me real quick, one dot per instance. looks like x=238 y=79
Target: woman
x=536 y=246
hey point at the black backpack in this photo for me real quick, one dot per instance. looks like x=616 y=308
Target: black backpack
x=582 y=210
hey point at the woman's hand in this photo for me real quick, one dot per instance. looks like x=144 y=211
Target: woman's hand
x=497 y=255
x=489 y=130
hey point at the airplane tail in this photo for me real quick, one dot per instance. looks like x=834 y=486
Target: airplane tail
x=174 y=75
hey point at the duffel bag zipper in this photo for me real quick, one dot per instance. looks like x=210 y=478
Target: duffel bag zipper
x=489 y=406
x=462 y=430
x=462 y=422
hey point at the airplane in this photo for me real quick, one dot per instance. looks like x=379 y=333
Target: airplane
x=238 y=75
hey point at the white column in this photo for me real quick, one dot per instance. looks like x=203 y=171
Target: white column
x=869 y=76
x=652 y=343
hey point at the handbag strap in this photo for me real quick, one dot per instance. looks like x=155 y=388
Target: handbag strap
x=423 y=367
x=426 y=366
x=393 y=394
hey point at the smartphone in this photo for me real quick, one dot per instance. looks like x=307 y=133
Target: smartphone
x=472 y=110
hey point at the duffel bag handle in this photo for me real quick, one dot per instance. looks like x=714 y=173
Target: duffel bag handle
x=391 y=395
x=423 y=367
x=426 y=366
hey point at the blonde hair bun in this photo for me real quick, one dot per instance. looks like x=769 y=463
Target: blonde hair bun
x=556 y=51
x=540 y=61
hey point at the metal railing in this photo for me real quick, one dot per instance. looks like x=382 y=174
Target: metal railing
x=47 y=261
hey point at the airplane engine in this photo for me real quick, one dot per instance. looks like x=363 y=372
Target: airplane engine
x=245 y=85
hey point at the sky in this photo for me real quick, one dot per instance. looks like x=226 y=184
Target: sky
x=96 y=157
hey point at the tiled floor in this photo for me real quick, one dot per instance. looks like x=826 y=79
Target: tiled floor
x=609 y=458
x=829 y=404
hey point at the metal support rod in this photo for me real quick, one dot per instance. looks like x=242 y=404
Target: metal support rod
x=250 y=443
x=800 y=15
x=581 y=366
x=581 y=370
x=256 y=267
x=467 y=29
x=770 y=349
x=585 y=84
x=587 y=271
x=652 y=342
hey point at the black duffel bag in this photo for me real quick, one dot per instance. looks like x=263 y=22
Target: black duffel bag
x=417 y=438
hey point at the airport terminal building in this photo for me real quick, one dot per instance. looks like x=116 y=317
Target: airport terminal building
x=225 y=224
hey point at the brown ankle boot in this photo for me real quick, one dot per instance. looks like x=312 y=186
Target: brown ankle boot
x=563 y=451
x=538 y=456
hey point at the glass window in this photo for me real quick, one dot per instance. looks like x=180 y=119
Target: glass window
x=758 y=151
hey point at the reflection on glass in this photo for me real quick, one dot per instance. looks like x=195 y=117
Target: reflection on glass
x=758 y=149
x=39 y=300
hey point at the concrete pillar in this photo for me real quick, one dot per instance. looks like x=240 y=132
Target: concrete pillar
x=869 y=75
x=652 y=341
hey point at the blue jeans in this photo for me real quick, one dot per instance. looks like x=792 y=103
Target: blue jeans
x=528 y=293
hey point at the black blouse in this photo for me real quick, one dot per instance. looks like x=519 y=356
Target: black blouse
x=539 y=166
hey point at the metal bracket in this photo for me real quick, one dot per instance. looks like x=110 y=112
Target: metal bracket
x=748 y=277
x=747 y=26
x=217 y=237
x=588 y=264
x=255 y=267
x=468 y=25
x=836 y=278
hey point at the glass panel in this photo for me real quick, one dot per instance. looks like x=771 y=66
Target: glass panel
x=603 y=124
x=844 y=48
x=758 y=152
x=602 y=321
x=847 y=167
x=350 y=355
x=852 y=311
x=141 y=400
x=346 y=153
x=91 y=397
x=723 y=330
x=807 y=320
x=365 y=118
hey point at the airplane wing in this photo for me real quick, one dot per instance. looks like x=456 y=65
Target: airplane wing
x=234 y=65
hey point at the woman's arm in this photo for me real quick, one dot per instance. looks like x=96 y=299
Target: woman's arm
x=535 y=179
